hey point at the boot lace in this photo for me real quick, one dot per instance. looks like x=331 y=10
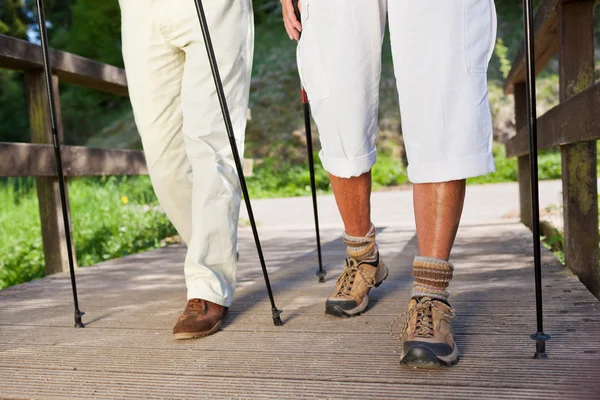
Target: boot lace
x=195 y=306
x=346 y=280
x=424 y=323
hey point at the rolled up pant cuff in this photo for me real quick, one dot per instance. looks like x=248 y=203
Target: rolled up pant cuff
x=452 y=170
x=349 y=167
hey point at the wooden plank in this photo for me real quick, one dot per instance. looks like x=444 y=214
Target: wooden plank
x=506 y=346
x=24 y=56
x=24 y=159
x=579 y=173
x=574 y=120
x=382 y=368
x=50 y=206
x=62 y=383
x=132 y=304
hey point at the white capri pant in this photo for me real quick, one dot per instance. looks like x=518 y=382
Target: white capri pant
x=441 y=50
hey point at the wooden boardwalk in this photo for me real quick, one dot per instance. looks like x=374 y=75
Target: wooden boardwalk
x=131 y=304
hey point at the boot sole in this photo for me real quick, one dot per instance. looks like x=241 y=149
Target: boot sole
x=337 y=311
x=422 y=357
x=193 y=335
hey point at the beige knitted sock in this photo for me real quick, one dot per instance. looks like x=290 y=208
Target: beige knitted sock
x=362 y=248
x=432 y=277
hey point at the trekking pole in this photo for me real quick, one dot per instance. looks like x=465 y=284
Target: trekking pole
x=311 y=165
x=236 y=156
x=539 y=337
x=57 y=153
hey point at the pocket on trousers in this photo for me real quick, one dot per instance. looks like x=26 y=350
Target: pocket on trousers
x=310 y=63
x=479 y=34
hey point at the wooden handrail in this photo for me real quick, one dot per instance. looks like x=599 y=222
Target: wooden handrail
x=21 y=55
x=575 y=120
x=546 y=43
x=26 y=159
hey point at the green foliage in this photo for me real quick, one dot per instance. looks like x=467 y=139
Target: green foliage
x=96 y=31
x=266 y=10
x=13 y=18
x=556 y=242
x=272 y=179
x=14 y=125
x=111 y=217
x=14 y=120
x=506 y=168
x=21 y=239
x=388 y=171
x=501 y=51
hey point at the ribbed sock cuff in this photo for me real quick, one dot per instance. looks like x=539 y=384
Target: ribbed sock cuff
x=362 y=248
x=432 y=277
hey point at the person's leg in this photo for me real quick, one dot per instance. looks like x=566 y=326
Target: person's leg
x=353 y=198
x=187 y=150
x=446 y=125
x=339 y=60
x=438 y=208
x=210 y=264
x=154 y=73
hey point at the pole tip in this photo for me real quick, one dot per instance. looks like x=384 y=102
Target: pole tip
x=540 y=345
x=321 y=274
x=276 y=317
x=78 y=322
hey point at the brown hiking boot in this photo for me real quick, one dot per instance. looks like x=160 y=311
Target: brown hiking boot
x=427 y=337
x=353 y=286
x=200 y=318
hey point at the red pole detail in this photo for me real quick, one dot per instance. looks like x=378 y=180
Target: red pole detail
x=304 y=97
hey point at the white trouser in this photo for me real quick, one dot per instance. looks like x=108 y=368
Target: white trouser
x=179 y=119
x=441 y=50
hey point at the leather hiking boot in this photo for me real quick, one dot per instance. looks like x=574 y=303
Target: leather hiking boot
x=427 y=338
x=353 y=286
x=200 y=318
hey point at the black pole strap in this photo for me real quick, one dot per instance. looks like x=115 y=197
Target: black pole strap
x=236 y=156
x=539 y=337
x=57 y=153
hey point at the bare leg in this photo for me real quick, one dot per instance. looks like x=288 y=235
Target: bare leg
x=363 y=268
x=438 y=208
x=353 y=198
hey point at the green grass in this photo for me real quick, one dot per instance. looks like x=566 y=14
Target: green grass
x=111 y=217
x=270 y=179
x=506 y=168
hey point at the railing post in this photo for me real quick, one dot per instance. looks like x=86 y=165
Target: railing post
x=51 y=216
x=523 y=167
x=579 y=176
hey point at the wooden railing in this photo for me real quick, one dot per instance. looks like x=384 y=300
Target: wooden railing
x=566 y=27
x=37 y=158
